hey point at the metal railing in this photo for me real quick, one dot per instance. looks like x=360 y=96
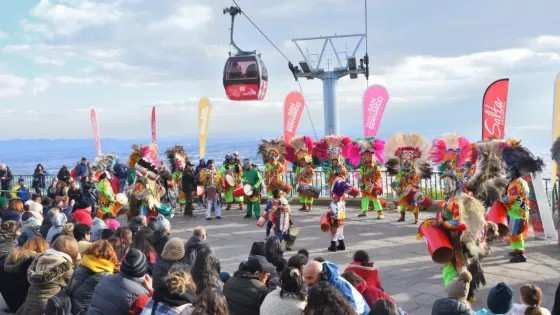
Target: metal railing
x=433 y=186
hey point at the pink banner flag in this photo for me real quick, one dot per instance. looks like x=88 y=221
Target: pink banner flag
x=95 y=126
x=494 y=107
x=154 y=124
x=293 y=107
x=374 y=103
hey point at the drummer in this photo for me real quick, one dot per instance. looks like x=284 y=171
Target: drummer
x=304 y=176
x=252 y=177
x=106 y=197
x=231 y=177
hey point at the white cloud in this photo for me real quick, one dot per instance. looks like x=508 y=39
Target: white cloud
x=187 y=18
x=3 y=35
x=12 y=85
x=48 y=61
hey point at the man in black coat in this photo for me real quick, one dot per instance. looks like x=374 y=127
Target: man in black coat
x=188 y=182
x=6 y=179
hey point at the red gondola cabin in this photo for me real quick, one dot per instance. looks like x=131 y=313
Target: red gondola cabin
x=245 y=78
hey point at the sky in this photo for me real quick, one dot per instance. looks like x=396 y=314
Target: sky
x=59 y=58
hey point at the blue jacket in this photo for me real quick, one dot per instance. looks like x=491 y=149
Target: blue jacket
x=120 y=170
x=348 y=291
x=81 y=170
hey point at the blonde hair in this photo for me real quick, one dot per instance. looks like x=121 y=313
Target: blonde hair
x=68 y=245
x=179 y=282
x=68 y=229
x=16 y=204
x=53 y=212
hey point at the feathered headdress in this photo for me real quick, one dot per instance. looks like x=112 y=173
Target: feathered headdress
x=177 y=157
x=150 y=153
x=408 y=147
x=520 y=158
x=268 y=148
x=300 y=147
x=331 y=148
x=364 y=146
x=488 y=182
x=450 y=148
x=135 y=156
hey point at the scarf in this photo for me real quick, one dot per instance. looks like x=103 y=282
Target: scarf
x=162 y=295
x=96 y=264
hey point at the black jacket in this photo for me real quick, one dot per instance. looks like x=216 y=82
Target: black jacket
x=451 y=306
x=189 y=180
x=63 y=175
x=13 y=280
x=192 y=247
x=81 y=288
x=160 y=239
x=556 y=307
x=6 y=183
x=38 y=179
x=244 y=293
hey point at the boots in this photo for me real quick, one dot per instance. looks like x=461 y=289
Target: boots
x=303 y=207
x=332 y=248
x=416 y=218
x=228 y=207
x=519 y=257
x=341 y=245
x=361 y=215
x=401 y=219
x=380 y=215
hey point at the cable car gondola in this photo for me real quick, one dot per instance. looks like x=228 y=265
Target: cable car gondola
x=245 y=76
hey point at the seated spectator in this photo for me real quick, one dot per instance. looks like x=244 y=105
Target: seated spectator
x=121 y=241
x=210 y=302
x=172 y=254
x=82 y=234
x=364 y=268
x=288 y=299
x=530 y=297
x=556 y=306
x=304 y=252
x=98 y=261
x=246 y=290
x=98 y=225
x=206 y=271
x=370 y=293
x=14 y=210
x=161 y=234
x=385 y=307
x=142 y=241
x=49 y=273
x=175 y=295
x=196 y=243
x=315 y=272
x=83 y=215
x=115 y=294
x=30 y=227
x=298 y=261
x=258 y=248
x=113 y=224
x=58 y=220
x=13 y=269
x=9 y=232
x=456 y=303
x=500 y=300
x=36 y=209
x=324 y=299
x=106 y=234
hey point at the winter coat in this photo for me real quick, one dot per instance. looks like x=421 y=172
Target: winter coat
x=7 y=244
x=369 y=273
x=163 y=263
x=519 y=309
x=63 y=175
x=192 y=247
x=57 y=222
x=244 y=293
x=84 y=280
x=556 y=307
x=188 y=180
x=371 y=294
x=115 y=294
x=160 y=239
x=451 y=306
x=15 y=273
x=345 y=288
x=81 y=171
x=38 y=179
x=289 y=304
x=29 y=229
x=47 y=275
x=121 y=171
x=6 y=183
x=36 y=210
x=98 y=225
x=10 y=214
x=74 y=194
x=170 y=304
x=83 y=216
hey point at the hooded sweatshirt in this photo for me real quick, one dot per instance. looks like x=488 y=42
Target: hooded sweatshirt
x=29 y=229
x=57 y=222
x=345 y=288
x=98 y=226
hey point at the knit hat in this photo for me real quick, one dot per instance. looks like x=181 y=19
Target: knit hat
x=258 y=248
x=113 y=224
x=134 y=264
x=174 y=249
x=459 y=287
x=162 y=223
x=83 y=216
x=500 y=298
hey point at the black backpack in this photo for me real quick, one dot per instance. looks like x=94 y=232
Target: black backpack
x=61 y=303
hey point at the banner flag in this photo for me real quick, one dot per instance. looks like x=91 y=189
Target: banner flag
x=556 y=122
x=154 y=124
x=204 y=108
x=95 y=126
x=374 y=103
x=494 y=105
x=293 y=107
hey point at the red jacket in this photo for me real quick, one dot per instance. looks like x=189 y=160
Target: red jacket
x=368 y=273
x=372 y=294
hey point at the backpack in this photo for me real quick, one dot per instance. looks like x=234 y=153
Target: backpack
x=59 y=304
x=23 y=193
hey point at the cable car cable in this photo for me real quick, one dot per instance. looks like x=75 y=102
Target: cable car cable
x=366 y=57
x=308 y=113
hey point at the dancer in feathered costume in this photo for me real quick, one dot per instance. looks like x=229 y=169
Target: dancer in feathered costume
x=211 y=178
x=367 y=155
x=271 y=151
x=105 y=195
x=299 y=153
x=407 y=156
x=231 y=170
x=519 y=162
x=179 y=159
x=331 y=151
x=281 y=216
x=462 y=215
x=337 y=214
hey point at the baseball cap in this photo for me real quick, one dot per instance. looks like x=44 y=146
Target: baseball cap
x=259 y=263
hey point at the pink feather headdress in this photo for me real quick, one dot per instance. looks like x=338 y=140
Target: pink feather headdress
x=300 y=147
x=359 y=147
x=150 y=153
x=331 y=148
x=451 y=148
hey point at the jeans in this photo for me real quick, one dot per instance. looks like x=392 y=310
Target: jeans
x=217 y=208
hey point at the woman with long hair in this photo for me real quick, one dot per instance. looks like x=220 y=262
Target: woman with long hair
x=143 y=241
x=9 y=232
x=364 y=268
x=325 y=299
x=39 y=179
x=211 y=301
x=288 y=299
x=530 y=297
x=206 y=271
x=49 y=273
x=13 y=271
x=14 y=210
x=121 y=241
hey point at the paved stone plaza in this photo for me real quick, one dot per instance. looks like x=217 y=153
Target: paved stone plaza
x=406 y=270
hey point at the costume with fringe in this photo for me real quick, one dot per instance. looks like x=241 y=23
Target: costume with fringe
x=337 y=214
x=519 y=162
x=407 y=156
x=281 y=217
x=271 y=151
x=331 y=151
x=211 y=179
x=299 y=152
x=178 y=159
x=232 y=168
x=105 y=195
x=252 y=177
x=367 y=155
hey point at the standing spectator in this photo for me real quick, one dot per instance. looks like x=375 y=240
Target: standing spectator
x=325 y=299
x=51 y=191
x=121 y=173
x=13 y=270
x=39 y=179
x=82 y=170
x=64 y=175
x=364 y=268
x=188 y=184
x=82 y=214
x=14 y=211
x=49 y=273
x=116 y=293
x=6 y=179
x=21 y=190
x=288 y=299
x=210 y=302
x=9 y=232
x=195 y=244
x=246 y=290
x=530 y=297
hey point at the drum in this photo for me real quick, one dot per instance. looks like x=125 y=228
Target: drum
x=120 y=200
x=437 y=242
x=498 y=215
x=262 y=220
x=353 y=191
x=281 y=186
x=383 y=202
x=309 y=191
x=325 y=223
x=419 y=197
x=230 y=181
x=248 y=190
x=200 y=190
x=239 y=192
x=374 y=189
